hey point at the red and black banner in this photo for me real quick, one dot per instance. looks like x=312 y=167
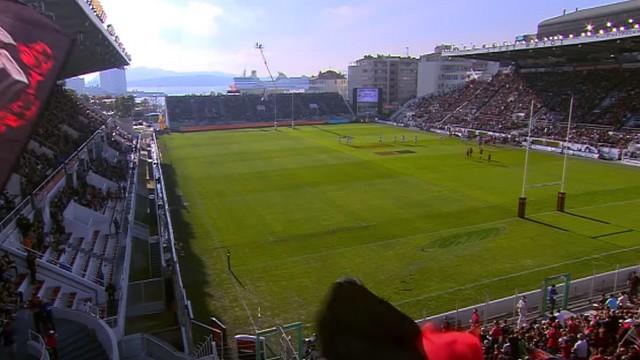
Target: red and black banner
x=32 y=51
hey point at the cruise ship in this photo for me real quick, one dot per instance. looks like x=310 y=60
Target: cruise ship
x=283 y=84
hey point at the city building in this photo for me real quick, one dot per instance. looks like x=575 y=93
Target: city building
x=283 y=84
x=76 y=84
x=438 y=74
x=601 y=19
x=329 y=81
x=114 y=81
x=395 y=76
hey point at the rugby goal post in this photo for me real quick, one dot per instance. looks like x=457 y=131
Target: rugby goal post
x=562 y=194
x=280 y=343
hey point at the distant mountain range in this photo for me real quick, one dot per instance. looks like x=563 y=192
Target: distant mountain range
x=148 y=77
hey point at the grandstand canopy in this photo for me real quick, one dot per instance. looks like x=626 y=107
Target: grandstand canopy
x=94 y=49
x=612 y=48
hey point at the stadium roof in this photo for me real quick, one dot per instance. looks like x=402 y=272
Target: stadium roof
x=586 y=14
x=94 y=48
x=613 y=48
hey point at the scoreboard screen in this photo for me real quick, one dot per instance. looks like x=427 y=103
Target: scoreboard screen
x=367 y=95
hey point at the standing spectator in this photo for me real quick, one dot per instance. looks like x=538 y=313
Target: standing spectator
x=581 y=348
x=475 y=319
x=111 y=292
x=612 y=302
x=100 y=276
x=522 y=312
x=565 y=347
x=31 y=264
x=52 y=344
x=623 y=301
x=86 y=306
x=553 y=337
x=495 y=333
x=116 y=225
x=38 y=315
x=552 y=298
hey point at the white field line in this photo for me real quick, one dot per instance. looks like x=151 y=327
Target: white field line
x=233 y=281
x=504 y=277
x=404 y=238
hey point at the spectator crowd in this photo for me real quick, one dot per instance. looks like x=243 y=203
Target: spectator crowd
x=604 y=110
x=227 y=109
x=65 y=123
x=610 y=330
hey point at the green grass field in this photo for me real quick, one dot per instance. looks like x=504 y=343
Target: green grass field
x=428 y=229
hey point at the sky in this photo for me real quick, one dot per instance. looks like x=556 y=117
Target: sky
x=305 y=36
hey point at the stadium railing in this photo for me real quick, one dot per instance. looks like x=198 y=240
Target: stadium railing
x=105 y=335
x=578 y=39
x=582 y=292
x=137 y=345
x=39 y=344
x=184 y=311
x=125 y=264
x=27 y=201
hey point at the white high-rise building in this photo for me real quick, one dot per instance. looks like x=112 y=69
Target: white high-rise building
x=329 y=81
x=114 y=81
x=395 y=76
x=439 y=74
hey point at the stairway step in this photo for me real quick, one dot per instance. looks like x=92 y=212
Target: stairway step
x=76 y=341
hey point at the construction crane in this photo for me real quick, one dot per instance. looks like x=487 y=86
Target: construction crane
x=260 y=48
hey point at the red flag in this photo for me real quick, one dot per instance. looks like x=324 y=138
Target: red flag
x=450 y=345
x=32 y=51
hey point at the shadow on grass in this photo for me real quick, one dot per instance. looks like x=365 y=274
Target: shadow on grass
x=546 y=224
x=191 y=265
x=587 y=217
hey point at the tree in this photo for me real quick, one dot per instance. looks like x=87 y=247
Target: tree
x=124 y=106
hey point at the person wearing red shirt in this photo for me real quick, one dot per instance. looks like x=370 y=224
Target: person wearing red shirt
x=552 y=340
x=565 y=348
x=52 y=344
x=495 y=332
x=475 y=318
x=572 y=326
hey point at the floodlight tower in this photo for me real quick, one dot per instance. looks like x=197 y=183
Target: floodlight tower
x=260 y=48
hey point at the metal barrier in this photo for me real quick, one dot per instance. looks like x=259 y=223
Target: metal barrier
x=146 y=297
x=37 y=340
x=7 y=221
x=105 y=335
x=183 y=307
x=129 y=210
x=206 y=349
x=137 y=345
x=584 y=290
x=545 y=43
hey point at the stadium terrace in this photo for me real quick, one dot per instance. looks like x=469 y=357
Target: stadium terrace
x=495 y=217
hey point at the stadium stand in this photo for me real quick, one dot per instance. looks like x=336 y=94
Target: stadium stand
x=65 y=124
x=604 y=329
x=185 y=111
x=604 y=111
x=66 y=233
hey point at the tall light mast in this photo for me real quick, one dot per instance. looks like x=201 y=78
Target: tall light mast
x=260 y=48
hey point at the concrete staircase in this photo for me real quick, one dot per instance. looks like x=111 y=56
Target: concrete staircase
x=76 y=341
